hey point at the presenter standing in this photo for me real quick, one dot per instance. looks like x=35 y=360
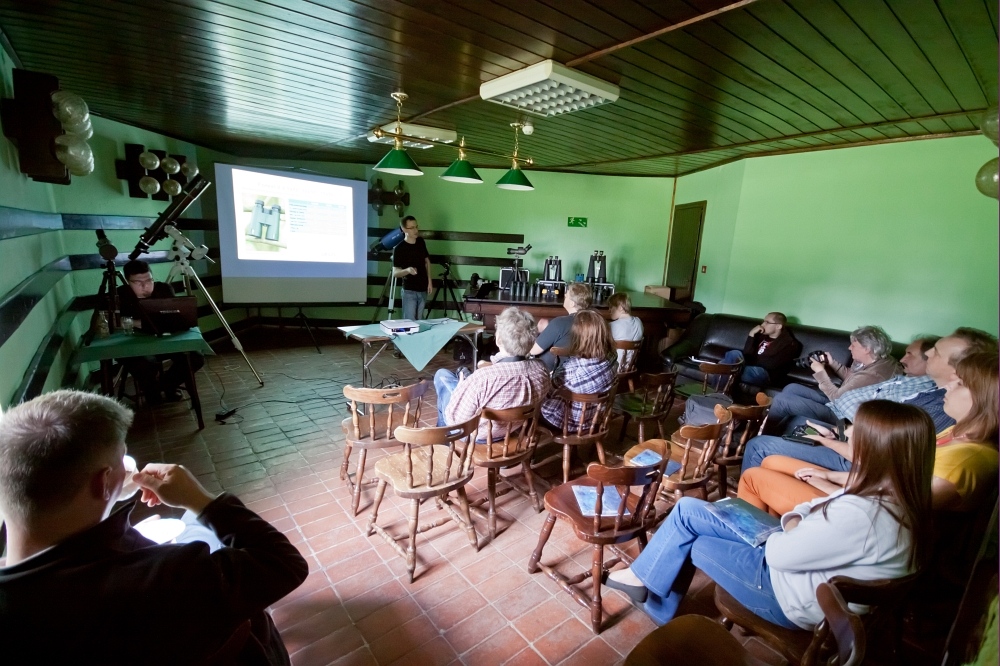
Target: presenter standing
x=412 y=262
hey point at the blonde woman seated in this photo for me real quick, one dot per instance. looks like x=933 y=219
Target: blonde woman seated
x=965 y=461
x=876 y=527
x=588 y=368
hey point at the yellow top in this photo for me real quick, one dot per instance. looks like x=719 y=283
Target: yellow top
x=970 y=467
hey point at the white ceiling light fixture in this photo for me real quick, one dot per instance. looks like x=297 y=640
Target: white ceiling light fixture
x=413 y=133
x=549 y=89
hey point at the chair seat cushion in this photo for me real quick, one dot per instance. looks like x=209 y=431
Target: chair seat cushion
x=393 y=470
x=634 y=405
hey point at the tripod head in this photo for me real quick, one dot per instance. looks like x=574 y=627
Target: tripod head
x=446 y=273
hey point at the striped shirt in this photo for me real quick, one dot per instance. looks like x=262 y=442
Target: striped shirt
x=579 y=375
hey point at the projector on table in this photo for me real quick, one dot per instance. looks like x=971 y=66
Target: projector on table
x=400 y=326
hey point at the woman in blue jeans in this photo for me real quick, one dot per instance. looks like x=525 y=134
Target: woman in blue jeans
x=875 y=528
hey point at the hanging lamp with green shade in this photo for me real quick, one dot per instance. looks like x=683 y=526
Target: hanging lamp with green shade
x=515 y=179
x=397 y=161
x=461 y=170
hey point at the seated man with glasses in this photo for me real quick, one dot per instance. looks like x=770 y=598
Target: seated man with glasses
x=768 y=352
x=148 y=370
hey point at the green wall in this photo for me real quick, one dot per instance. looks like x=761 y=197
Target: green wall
x=894 y=234
x=627 y=218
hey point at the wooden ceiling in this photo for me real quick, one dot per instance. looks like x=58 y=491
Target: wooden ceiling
x=703 y=82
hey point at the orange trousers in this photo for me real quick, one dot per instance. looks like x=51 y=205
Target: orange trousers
x=773 y=486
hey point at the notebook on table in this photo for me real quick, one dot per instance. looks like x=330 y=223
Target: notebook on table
x=168 y=315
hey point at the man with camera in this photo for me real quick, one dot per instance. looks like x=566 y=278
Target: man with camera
x=768 y=353
x=412 y=262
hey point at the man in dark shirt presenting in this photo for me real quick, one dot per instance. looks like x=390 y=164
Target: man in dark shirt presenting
x=411 y=262
x=768 y=352
x=146 y=369
x=81 y=586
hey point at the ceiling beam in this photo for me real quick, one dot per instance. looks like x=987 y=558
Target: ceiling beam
x=792 y=137
x=606 y=51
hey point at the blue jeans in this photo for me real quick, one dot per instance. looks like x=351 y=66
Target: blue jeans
x=752 y=374
x=445 y=382
x=761 y=447
x=413 y=304
x=692 y=536
x=799 y=400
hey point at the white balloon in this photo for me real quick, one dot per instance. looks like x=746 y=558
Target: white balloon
x=170 y=165
x=149 y=160
x=172 y=187
x=82 y=169
x=149 y=185
x=988 y=178
x=189 y=169
x=72 y=149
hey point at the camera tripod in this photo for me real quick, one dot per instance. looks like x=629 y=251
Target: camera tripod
x=448 y=286
x=388 y=295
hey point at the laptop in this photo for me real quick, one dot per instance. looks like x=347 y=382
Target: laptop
x=168 y=315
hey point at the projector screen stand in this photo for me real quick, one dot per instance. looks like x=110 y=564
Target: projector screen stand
x=301 y=316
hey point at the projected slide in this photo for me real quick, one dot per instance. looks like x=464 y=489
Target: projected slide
x=280 y=218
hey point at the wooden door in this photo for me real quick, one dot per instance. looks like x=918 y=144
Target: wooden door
x=683 y=248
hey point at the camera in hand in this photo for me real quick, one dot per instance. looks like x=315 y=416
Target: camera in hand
x=805 y=361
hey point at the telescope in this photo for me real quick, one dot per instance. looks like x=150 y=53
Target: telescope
x=156 y=231
x=520 y=251
x=387 y=242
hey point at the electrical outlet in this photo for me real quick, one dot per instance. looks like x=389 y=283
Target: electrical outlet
x=704 y=269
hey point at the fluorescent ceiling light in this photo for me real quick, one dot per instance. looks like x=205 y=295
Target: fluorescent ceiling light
x=548 y=89
x=413 y=133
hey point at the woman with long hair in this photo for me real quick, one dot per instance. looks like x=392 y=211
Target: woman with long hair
x=588 y=368
x=965 y=460
x=876 y=527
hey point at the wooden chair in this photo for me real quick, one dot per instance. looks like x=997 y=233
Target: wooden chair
x=749 y=420
x=434 y=462
x=650 y=402
x=521 y=434
x=590 y=428
x=699 y=445
x=884 y=597
x=627 y=369
x=369 y=427
x=719 y=377
x=698 y=639
x=635 y=489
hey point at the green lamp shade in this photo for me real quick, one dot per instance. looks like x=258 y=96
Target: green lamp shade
x=398 y=162
x=461 y=171
x=515 y=180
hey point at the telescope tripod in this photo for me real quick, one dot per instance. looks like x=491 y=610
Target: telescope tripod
x=183 y=249
x=448 y=286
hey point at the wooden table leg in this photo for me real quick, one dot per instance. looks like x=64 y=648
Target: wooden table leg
x=192 y=388
x=107 y=379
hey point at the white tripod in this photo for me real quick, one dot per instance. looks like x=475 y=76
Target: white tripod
x=183 y=251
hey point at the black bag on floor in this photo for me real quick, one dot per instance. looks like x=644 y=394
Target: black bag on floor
x=462 y=351
x=700 y=409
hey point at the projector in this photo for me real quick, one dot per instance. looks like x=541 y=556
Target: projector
x=400 y=326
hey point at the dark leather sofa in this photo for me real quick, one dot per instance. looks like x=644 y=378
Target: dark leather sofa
x=709 y=336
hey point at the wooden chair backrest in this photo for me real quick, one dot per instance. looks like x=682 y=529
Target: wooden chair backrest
x=657 y=392
x=752 y=417
x=403 y=409
x=847 y=628
x=639 y=482
x=519 y=428
x=631 y=355
x=459 y=438
x=708 y=436
x=595 y=412
x=724 y=374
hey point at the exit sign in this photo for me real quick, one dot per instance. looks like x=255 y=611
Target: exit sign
x=576 y=222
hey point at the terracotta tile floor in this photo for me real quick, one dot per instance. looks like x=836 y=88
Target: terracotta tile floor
x=281 y=455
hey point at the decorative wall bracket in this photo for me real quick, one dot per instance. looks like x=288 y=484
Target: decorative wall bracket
x=131 y=169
